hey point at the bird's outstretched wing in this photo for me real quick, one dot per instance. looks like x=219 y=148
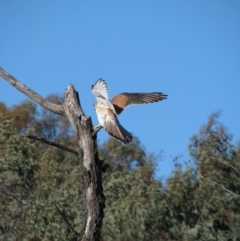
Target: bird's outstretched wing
x=123 y=100
x=99 y=89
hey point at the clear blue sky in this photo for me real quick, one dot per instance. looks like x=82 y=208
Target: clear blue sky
x=189 y=50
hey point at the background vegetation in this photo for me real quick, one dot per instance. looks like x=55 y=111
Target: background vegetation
x=40 y=193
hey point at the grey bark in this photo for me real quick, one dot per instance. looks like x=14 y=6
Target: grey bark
x=91 y=166
x=58 y=109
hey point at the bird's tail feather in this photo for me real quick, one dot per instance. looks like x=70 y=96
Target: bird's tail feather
x=118 y=132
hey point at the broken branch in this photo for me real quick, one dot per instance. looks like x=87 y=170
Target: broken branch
x=39 y=138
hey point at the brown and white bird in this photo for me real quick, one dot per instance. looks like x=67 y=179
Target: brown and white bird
x=107 y=111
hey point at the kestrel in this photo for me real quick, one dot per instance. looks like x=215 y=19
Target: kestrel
x=107 y=111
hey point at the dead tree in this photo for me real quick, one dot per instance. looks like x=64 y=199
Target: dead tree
x=90 y=165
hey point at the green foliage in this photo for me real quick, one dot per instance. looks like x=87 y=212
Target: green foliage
x=17 y=183
x=34 y=184
x=130 y=204
x=40 y=186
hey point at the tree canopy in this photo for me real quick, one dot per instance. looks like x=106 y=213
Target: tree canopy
x=40 y=195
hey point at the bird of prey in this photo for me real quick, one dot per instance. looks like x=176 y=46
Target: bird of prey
x=107 y=111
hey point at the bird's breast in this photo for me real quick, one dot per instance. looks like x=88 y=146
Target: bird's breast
x=104 y=114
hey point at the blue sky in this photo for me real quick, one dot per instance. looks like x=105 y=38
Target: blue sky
x=189 y=50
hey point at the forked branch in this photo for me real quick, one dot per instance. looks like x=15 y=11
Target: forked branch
x=90 y=164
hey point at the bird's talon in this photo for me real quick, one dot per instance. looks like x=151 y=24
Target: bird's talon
x=96 y=129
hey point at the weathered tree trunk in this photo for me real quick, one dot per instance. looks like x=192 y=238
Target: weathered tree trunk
x=91 y=166
x=93 y=198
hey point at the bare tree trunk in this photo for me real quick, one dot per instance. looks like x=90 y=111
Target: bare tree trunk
x=91 y=166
